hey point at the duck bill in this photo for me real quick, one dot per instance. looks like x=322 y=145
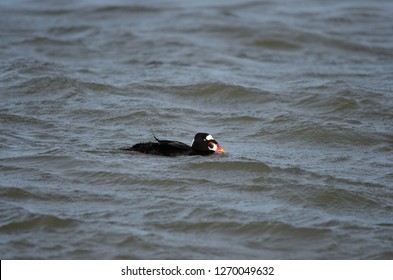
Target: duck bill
x=219 y=149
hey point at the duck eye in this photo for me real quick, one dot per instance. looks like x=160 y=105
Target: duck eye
x=212 y=146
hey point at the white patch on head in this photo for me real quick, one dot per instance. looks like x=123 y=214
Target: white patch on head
x=209 y=137
x=214 y=148
x=192 y=143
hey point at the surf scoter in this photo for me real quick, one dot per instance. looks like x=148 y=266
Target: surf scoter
x=203 y=144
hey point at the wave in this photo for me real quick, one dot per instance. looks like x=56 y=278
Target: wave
x=124 y=9
x=21 y=220
x=42 y=222
x=230 y=166
x=54 y=85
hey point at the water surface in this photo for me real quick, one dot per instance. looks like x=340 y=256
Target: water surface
x=298 y=92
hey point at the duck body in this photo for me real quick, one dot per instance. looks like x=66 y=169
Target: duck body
x=203 y=144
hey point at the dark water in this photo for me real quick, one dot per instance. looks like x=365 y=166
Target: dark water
x=298 y=92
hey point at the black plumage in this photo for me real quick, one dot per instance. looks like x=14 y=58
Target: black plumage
x=203 y=144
